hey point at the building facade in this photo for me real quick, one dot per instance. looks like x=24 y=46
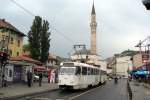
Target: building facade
x=137 y=60
x=16 y=71
x=123 y=65
x=11 y=39
x=53 y=61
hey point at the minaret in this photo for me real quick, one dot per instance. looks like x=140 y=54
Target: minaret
x=93 y=25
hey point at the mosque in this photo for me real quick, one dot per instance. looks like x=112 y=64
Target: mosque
x=90 y=56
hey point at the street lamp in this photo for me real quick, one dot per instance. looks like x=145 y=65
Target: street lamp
x=146 y=4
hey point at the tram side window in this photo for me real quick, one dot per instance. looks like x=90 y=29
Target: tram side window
x=95 y=71
x=84 y=70
x=89 y=71
x=102 y=72
x=92 y=71
x=98 y=72
x=78 y=70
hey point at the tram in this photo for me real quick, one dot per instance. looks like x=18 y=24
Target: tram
x=75 y=75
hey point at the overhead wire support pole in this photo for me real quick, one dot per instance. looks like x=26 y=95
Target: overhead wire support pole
x=79 y=49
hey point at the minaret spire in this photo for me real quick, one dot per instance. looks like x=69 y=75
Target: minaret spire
x=93 y=25
x=93 y=9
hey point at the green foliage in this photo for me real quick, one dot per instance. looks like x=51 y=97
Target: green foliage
x=39 y=39
x=45 y=41
x=34 y=37
x=26 y=47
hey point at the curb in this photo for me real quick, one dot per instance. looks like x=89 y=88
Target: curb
x=30 y=95
x=146 y=85
x=129 y=90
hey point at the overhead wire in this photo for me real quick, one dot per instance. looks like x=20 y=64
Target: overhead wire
x=33 y=15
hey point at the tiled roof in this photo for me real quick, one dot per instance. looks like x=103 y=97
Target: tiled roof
x=25 y=58
x=6 y=25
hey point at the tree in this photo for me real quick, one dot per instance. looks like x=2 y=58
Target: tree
x=45 y=41
x=34 y=38
x=26 y=47
x=39 y=39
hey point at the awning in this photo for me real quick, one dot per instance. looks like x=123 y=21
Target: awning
x=25 y=58
x=40 y=68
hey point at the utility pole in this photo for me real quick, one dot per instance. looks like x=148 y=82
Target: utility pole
x=4 y=56
x=79 y=49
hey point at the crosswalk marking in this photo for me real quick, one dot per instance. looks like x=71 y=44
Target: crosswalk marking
x=41 y=99
x=44 y=99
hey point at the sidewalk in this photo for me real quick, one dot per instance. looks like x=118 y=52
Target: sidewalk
x=140 y=92
x=19 y=90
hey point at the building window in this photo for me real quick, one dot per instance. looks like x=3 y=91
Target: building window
x=17 y=53
x=18 y=43
x=11 y=40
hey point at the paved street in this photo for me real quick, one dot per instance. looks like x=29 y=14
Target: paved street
x=109 y=91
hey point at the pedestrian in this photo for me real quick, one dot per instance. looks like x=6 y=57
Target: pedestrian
x=49 y=76
x=4 y=81
x=56 y=76
x=29 y=78
x=40 y=79
x=52 y=80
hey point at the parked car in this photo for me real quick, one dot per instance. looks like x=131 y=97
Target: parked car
x=125 y=77
x=36 y=78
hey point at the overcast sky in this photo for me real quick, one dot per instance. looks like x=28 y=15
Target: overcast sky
x=121 y=23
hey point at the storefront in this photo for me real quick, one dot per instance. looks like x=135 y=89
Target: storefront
x=15 y=72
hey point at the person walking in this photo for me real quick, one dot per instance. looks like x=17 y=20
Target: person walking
x=49 y=76
x=52 y=80
x=4 y=81
x=29 y=78
x=40 y=79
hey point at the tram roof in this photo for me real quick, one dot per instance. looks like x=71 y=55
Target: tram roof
x=79 y=64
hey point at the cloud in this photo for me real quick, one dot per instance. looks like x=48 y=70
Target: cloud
x=121 y=23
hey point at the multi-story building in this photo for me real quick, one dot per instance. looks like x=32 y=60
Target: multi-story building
x=11 y=39
x=53 y=61
x=123 y=65
x=137 y=60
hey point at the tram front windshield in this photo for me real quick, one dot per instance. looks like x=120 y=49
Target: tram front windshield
x=70 y=70
x=67 y=70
